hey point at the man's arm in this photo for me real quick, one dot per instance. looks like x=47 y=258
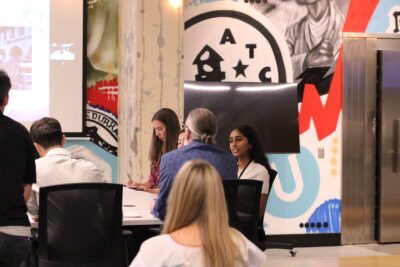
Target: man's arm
x=32 y=204
x=230 y=168
x=27 y=191
x=96 y=175
x=29 y=177
x=81 y=152
x=290 y=37
x=160 y=207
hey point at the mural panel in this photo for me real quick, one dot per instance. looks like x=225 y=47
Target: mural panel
x=102 y=83
x=102 y=74
x=306 y=195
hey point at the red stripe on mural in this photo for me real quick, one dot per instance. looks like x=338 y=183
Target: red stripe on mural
x=104 y=94
x=326 y=117
x=359 y=14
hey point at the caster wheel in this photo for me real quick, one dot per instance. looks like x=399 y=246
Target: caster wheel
x=293 y=253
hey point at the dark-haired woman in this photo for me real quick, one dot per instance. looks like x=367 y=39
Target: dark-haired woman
x=252 y=162
x=166 y=129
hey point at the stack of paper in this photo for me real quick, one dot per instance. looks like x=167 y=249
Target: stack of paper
x=129 y=212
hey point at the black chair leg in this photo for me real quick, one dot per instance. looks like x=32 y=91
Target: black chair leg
x=289 y=246
x=33 y=260
x=127 y=239
x=263 y=244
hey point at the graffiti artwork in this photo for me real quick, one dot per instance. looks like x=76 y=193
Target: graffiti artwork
x=16 y=55
x=225 y=54
x=394 y=19
x=396 y=16
x=102 y=81
x=312 y=31
x=309 y=39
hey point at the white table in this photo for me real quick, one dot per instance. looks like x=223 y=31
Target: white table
x=138 y=202
x=142 y=203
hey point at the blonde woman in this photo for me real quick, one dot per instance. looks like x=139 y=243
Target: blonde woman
x=196 y=231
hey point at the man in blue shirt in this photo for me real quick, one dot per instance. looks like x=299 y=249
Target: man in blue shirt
x=200 y=132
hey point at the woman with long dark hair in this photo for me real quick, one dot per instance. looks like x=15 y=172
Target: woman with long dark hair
x=252 y=162
x=166 y=129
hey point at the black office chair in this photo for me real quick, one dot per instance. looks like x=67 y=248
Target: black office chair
x=262 y=239
x=80 y=225
x=243 y=201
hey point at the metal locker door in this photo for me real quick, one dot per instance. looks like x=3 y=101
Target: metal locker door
x=389 y=146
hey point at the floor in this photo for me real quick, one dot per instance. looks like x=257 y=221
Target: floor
x=371 y=255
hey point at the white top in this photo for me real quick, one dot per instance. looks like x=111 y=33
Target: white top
x=164 y=251
x=81 y=152
x=16 y=230
x=256 y=171
x=58 y=167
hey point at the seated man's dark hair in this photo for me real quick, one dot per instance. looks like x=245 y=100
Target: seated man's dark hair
x=5 y=85
x=47 y=132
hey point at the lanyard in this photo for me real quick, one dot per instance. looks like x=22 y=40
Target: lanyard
x=241 y=173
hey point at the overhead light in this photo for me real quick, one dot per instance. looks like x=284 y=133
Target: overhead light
x=260 y=88
x=207 y=87
x=175 y=3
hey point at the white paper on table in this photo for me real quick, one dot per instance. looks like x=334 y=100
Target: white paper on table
x=130 y=212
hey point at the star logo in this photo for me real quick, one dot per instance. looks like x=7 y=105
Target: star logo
x=240 y=69
x=228 y=45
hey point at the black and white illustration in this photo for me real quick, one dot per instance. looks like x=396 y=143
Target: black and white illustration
x=314 y=41
x=312 y=30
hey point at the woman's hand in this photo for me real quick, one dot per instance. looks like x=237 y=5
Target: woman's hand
x=132 y=184
x=145 y=187
x=151 y=190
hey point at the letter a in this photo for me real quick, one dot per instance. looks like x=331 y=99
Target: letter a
x=227 y=37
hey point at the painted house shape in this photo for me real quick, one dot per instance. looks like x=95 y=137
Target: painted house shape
x=209 y=58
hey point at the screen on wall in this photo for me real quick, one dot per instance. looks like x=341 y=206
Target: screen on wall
x=41 y=48
x=271 y=109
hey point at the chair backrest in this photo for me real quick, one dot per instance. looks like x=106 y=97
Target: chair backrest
x=243 y=201
x=272 y=175
x=80 y=225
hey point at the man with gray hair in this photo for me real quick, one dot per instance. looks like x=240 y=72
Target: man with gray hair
x=200 y=132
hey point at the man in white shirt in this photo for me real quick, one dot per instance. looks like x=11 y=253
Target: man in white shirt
x=56 y=164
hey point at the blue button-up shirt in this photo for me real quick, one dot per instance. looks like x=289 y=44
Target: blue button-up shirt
x=171 y=162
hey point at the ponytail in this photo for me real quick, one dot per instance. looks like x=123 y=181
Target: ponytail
x=202 y=124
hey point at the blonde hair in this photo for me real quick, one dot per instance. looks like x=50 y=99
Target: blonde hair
x=197 y=196
x=202 y=124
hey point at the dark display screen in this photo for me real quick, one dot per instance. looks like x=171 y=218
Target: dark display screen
x=271 y=109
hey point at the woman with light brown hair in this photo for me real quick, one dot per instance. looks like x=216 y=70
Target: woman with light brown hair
x=166 y=129
x=196 y=231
